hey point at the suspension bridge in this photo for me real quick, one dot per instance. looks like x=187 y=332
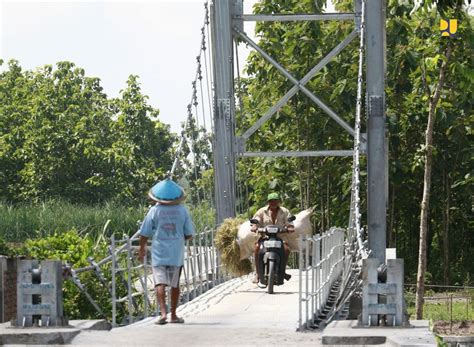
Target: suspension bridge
x=221 y=309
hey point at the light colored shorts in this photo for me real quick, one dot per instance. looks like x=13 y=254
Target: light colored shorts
x=167 y=275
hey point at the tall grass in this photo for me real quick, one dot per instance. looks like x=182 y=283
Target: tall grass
x=437 y=306
x=32 y=221
x=203 y=216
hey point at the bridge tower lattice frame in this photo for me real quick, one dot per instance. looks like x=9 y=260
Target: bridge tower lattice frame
x=227 y=24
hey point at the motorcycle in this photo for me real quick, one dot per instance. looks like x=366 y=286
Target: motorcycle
x=270 y=267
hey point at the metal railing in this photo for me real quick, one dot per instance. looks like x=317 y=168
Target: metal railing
x=201 y=270
x=321 y=260
x=130 y=283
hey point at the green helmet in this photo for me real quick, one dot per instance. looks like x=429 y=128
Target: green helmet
x=273 y=196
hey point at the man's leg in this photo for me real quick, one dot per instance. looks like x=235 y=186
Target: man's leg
x=161 y=281
x=174 y=302
x=255 y=260
x=175 y=274
x=161 y=296
x=285 y=259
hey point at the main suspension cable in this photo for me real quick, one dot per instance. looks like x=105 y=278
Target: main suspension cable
x=194 y=98
x=357 y=139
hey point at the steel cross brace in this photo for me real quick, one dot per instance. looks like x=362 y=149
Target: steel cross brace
x=298 y=85
x=295 y=17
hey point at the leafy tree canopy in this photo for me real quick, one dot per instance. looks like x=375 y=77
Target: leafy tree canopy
x=62 y=137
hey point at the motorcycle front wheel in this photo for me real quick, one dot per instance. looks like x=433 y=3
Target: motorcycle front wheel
x=271 y=276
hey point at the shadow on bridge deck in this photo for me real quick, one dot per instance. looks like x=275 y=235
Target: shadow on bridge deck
x=236 y=312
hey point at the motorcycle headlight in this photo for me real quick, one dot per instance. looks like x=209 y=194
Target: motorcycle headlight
x=272 y=230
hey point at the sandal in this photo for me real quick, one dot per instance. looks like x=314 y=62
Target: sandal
x=177 y=320
x=161 y=321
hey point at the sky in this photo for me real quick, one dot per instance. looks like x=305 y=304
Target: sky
x=158 y=40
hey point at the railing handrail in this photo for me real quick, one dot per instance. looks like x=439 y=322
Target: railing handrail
x=199 y=252
x=320 y=270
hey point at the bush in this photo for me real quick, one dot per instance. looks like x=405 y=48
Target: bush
x=74 y=249
x=5 y=249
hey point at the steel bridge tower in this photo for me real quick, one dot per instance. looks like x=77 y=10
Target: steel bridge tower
x=227 y=19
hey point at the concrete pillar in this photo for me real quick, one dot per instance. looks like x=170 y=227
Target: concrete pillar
x=39 y=293
x=369 y=276
x=395 y=275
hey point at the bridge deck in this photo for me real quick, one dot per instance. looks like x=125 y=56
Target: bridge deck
x=235 y=313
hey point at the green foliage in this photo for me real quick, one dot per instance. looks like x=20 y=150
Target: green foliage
x=415 y=50
x=6 y=249
x=74 y=249
x=442 y=311
x=61 y=137
x=203 y=216
x=69 y=247
x=196 y=168
x=413 y=72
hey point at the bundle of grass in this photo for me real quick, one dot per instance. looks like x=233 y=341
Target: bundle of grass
x=226 y=242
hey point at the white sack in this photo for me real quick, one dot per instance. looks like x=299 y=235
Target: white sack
x=302 y=225
x=246 y=239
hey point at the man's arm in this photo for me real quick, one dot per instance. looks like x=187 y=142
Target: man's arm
x=146 y=232
x=259 y=215
x=188 y=226
x=142 y=249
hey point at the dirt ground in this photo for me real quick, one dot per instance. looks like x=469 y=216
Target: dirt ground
x=460 y=328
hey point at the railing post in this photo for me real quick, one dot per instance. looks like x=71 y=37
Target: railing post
x=193 y=266
x=114 y=304
x=129 y=280
x=318 y=273
x=313 y=279
x=300 y=279
x=213 y=261
x=206 y=257
x=186 y=272
x=306 y=264
x=199 y=262
x=324 y=266
x=145 y=290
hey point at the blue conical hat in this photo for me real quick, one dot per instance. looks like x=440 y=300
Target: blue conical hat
x=167 y=192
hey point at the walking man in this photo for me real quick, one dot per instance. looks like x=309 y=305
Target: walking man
x=169 y=224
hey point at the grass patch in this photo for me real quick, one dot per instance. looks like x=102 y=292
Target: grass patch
x=438 y=307
x=34 y=221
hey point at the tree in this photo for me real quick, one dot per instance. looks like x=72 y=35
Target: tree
x=140 y=154
x=61 y=137
x=433 y=103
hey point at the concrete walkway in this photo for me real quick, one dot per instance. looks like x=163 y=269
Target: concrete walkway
x=235 y=313
x=238 y=313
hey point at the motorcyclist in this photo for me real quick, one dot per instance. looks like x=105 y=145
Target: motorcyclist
x=272 y=214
